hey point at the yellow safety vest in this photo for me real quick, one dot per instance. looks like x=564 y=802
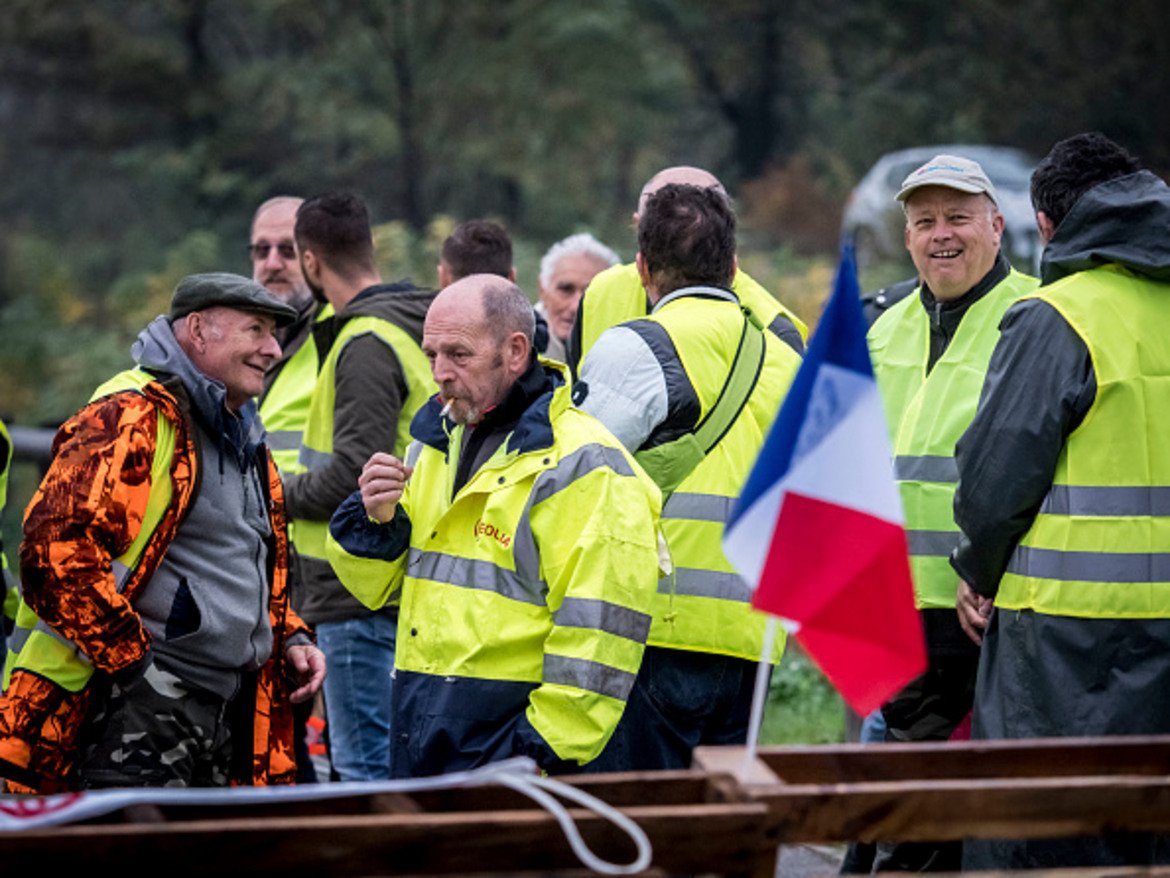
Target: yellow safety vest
x=495 y=585
x=36 y=647
x=1100 y=545
x=926 y=415
x=317 y=446
x=616 y=295
x=285 y=407
x=704 y=605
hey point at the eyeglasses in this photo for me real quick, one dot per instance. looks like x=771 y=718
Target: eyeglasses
x=259 y=252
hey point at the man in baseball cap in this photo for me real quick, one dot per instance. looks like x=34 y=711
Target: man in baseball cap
x=930 y=352
x=952 y=171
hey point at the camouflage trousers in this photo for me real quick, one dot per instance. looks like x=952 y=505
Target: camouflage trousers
x=156 y=730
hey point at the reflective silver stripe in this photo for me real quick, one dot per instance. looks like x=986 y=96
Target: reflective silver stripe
x=284 y=440
x=603 y=616
x=925 y=468
x=568 y=470
x=1090 y=566
x=588 y=675
x=20 y=636
x=1106 y=500
x=312 y=459
x=932 y=542
x=698 y=507
x=469 y=573
x=693 y=582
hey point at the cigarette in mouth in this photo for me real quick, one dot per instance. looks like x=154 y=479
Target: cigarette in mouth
x=446 y=409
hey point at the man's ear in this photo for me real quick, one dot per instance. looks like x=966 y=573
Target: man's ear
x=444 y=275
x=648 y=284
x=1046 y=226
x=518 y=351
x=512 y=274
x=643 y=272
x=734 y=266
x=311 y=267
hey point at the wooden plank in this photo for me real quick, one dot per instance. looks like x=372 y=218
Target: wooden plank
x=954 y=809
x=722 y=838
x=1041 y=757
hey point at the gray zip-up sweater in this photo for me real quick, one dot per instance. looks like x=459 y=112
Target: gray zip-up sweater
x=206 y=607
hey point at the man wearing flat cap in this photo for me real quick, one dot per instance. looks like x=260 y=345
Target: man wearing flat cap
x=155 y=645
x=930 y=353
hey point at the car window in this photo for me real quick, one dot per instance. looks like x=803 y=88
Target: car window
x=899 y=172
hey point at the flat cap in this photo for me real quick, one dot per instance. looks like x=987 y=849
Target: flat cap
x=220 y=288
x=952 y=171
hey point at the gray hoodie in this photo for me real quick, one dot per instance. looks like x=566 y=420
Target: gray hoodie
x=206 y=607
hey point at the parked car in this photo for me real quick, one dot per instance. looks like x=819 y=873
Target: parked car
x=875 y=220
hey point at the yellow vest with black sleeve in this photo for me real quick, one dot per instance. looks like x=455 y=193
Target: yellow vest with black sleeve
x=284 y=409
x=37 y=648
x=11 y=587
x=526 y=593
x=704 y=605
x=926 y=415
x=308 y=536
x=1100 y=545
x=616 y=295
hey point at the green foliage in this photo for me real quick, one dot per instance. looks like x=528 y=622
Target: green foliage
x=803 y=707
x=137 y=136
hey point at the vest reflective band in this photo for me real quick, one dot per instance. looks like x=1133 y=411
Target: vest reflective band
x=704 y=605
x=926 y=415
x=317 y=447
x=285 y=408
x=37 y=648
x=616 y=295
x=1100 y=544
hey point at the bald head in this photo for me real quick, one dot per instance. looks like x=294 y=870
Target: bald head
x=478 y=337
x=681 y=174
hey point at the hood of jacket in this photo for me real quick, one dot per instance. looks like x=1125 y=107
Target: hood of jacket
x=401 y=303
x=158 y=352
x=1125 y=221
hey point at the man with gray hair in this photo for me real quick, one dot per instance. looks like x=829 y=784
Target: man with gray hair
x=565 y=271
x=522 y=539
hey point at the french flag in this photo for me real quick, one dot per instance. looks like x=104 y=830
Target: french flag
x=818 y=528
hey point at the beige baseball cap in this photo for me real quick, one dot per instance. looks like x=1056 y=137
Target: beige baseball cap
x=952 y=171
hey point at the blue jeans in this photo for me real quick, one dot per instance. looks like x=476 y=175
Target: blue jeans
x=359 y=656
x=680 y=700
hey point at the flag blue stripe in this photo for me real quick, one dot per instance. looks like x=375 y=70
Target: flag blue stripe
x=839 y=339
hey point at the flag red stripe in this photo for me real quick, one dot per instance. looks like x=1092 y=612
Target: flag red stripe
x=845 y=575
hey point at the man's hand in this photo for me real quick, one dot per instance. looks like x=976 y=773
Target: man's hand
x=974 y=611
x=308 y=666
x=382 y=481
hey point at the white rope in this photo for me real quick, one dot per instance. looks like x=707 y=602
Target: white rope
x=534 y=786
x=519 y=773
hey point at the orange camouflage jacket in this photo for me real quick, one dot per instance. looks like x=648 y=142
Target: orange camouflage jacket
x=86 y=512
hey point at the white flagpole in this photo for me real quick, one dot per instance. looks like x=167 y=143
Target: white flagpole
x=760 y=696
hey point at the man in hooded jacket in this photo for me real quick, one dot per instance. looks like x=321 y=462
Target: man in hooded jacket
x=1063 y=480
